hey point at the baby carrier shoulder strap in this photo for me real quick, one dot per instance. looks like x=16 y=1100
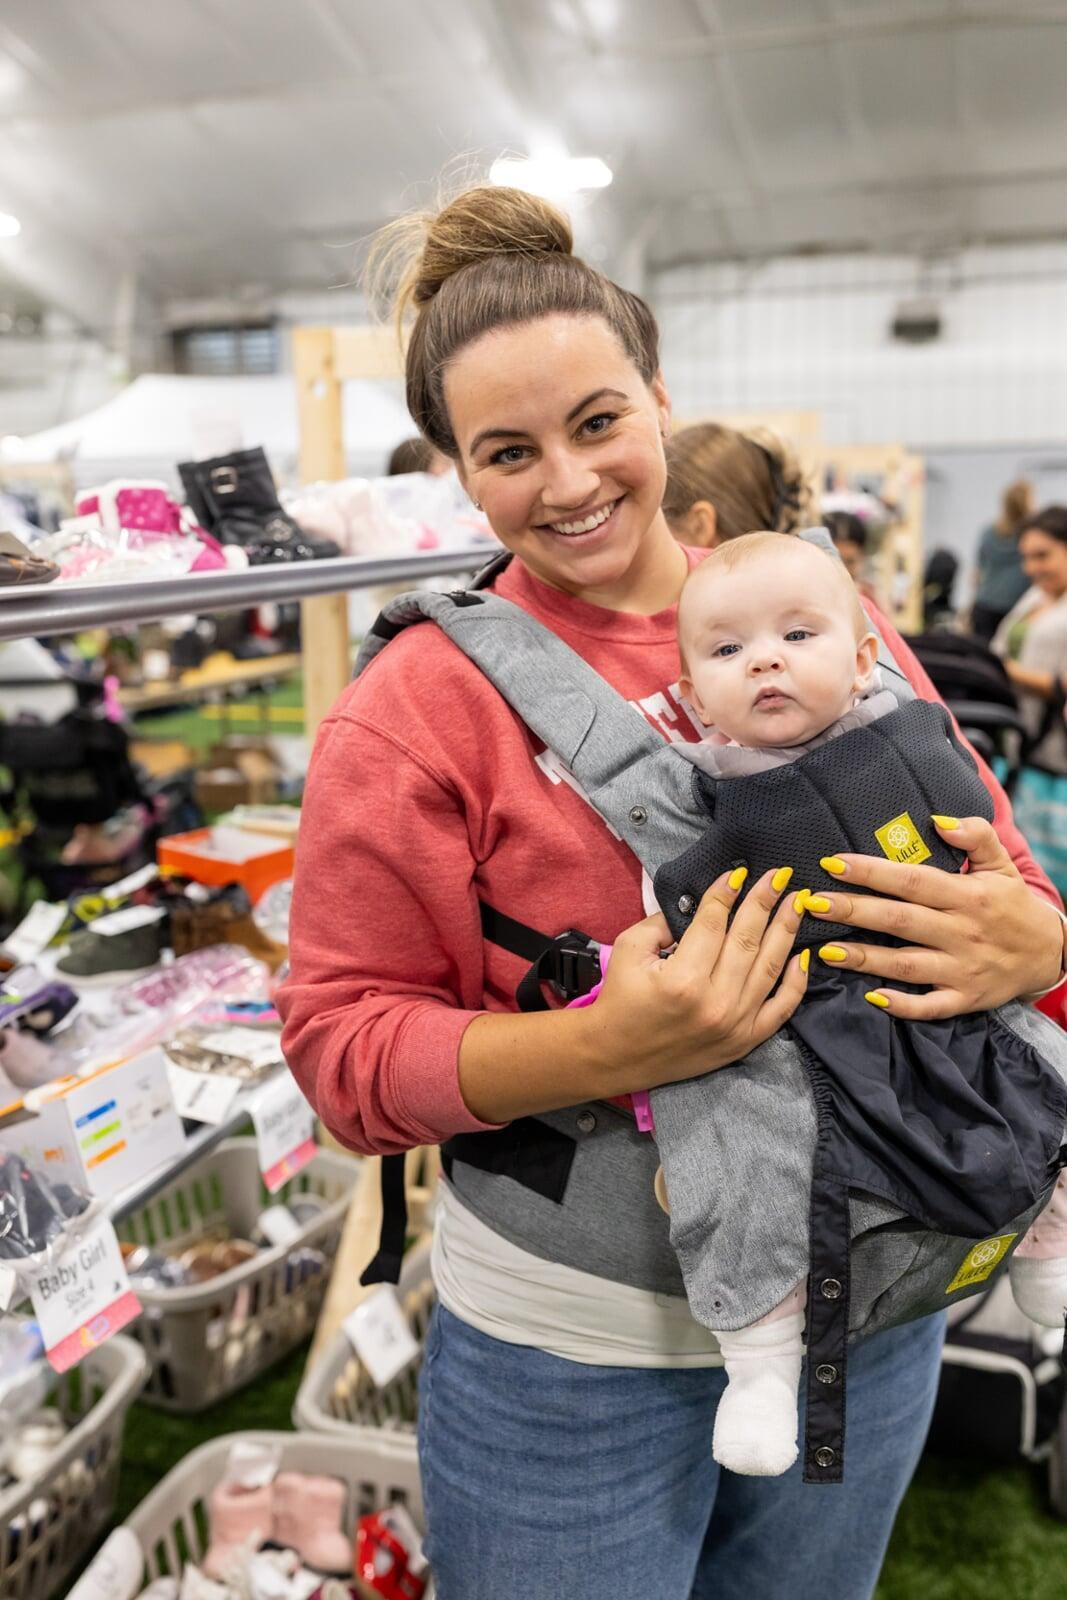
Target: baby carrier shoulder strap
x=561 y=699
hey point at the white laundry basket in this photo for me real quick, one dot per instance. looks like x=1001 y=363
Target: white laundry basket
x=172 y=1523
x=206 y=1341
x=338 y=1394
x=49 y=1523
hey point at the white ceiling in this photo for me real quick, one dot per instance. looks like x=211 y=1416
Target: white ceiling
x=183 y=148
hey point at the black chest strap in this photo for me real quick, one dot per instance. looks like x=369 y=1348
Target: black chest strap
x=527 y=1150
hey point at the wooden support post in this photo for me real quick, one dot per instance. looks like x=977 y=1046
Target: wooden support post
x=324 y=618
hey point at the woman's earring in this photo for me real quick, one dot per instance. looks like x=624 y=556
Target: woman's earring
x=477 y=504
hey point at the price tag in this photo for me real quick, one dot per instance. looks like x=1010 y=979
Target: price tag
x=135 y=880
x=379 y=1334
x=285 y=1131
x=278 y=1225
x=202 y=1096
x=127 y=919
x=247 y=1044
x=83 y=1296
x=36 y=930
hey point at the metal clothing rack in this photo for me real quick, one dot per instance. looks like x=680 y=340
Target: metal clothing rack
x=323 y=359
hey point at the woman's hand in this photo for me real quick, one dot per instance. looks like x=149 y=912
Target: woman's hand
x=709 y=1002
x=977 y=938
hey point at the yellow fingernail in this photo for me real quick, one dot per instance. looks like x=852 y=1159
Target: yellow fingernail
x=781 y=879
x=948 y=823
x=834 y=865
x=805 y=960
x=738 y=876
x=800 y=902
x=877 y=1000
x=818 y=902
x=833 y=952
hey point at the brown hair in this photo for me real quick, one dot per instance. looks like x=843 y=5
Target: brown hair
x=410 y=455
x=491 y=258
x=753 y=480
x=1016 y=503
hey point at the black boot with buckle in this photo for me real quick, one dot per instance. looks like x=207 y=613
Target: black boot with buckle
x=235 y=499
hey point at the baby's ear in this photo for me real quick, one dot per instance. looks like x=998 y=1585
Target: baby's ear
x=866 y=660
x=687 y=692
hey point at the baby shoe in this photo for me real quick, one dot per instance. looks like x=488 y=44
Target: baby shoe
x=239 y=1520
x=25 y=1061
x=33 y=1443
x=308 y=1516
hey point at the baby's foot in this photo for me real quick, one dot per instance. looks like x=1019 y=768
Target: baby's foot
x=756 y=1427
x=1040 y=1288
x=756 y=1423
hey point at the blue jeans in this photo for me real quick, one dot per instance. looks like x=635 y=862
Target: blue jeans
x=544 y=1478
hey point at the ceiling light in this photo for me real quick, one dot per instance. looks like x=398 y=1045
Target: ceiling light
x=551 y=175
x=9 y=225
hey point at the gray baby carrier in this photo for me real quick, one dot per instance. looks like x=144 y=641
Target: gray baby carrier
x=896 y=1164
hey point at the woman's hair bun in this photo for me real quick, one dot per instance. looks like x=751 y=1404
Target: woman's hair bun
x=489 y=258
x=486 y=221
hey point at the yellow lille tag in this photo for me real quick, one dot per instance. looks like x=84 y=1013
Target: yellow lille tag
x=901 y=840
x=980 y=1261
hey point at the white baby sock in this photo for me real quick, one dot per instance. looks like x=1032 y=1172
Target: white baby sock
x=1038 y=1269
x=756 y=1423
x=1040 y=1288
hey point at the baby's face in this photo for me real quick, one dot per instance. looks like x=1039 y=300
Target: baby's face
x=770 y=649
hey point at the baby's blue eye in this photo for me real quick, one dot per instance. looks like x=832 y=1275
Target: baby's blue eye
x=726 y=650
x=797 y=635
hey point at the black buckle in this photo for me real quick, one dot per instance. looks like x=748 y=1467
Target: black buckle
x=570 y=965
x=574 y=965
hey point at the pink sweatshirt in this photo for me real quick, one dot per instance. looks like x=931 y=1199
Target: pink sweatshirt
x=425 y=794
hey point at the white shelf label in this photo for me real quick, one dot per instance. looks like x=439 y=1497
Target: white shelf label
x=36 y=930
x=379 y=1334
x=202 y=1096
x=83 y=1296
x=285 y=1131
x=254 y=1045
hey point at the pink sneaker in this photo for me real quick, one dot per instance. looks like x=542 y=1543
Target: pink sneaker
x=308 y=1518
x=239 y=1519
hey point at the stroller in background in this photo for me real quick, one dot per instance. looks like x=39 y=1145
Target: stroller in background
x=974 y=685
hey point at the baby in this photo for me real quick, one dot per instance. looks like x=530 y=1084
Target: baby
x=778 y=657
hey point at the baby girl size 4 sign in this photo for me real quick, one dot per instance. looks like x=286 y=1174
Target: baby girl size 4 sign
x=285 y=1132
x=83 y=1296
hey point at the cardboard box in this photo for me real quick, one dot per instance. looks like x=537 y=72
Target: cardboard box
x=102 y=1132
x=219 y=789
x=220 y=855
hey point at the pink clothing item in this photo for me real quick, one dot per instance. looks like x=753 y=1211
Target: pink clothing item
x=640 y=1103
x=427 y=794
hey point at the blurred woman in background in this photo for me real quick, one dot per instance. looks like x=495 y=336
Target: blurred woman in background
x=1032 y=640
x=850 y=538
x=1001 y=579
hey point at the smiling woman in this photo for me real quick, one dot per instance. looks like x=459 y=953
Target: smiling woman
x=569 y=1396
